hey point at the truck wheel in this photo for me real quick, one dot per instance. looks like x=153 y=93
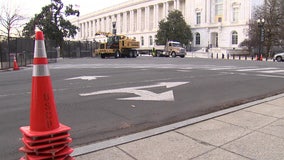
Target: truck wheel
x=173 y=54
x=158 y=54
x=135 y=54
x=182 y=56
x=131 y=54
x=116 y=54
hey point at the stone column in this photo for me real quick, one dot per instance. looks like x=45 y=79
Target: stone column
x=156 y=16
x=178 y=5
x=135 y=21
x=147 y=14
x=87 y=29
x=124 y=26
x=131 y=21
x=208 y=11
x=118 y=23
x=166 y=9
x=226 y=7
x=81 y=30
x=102 y=24
x=106 y=24
x=92 y=28
x=139 y=19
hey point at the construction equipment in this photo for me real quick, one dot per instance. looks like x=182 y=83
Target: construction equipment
x=117 y=46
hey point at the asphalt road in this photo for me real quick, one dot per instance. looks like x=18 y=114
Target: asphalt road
x=105 y=98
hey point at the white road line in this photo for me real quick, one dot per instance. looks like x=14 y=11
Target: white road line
x=272 y=71
x=222 y=68
x=254 y=69
x=270 y=76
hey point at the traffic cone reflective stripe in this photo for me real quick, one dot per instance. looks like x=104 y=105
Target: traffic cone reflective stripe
x=40 y=71
x=40 y=50
x=45 y=138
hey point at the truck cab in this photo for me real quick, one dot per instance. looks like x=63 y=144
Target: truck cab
x=171 y=49
x=174 y=49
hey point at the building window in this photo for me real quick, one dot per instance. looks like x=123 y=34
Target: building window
x=218 y=7
x=234 y=37
x=198 y=18
x=220 y=19
x=151 y=40
x=235 y=14
x=142 y=41
x=197 y=38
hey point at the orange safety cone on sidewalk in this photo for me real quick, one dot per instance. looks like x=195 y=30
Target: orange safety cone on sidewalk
x=16 y=67
x=45 y=138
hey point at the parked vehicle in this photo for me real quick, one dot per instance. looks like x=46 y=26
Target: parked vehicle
x=171 y=49
x=118 y=46
x=279 y=57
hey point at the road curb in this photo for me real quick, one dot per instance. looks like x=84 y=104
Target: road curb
x=152 y=132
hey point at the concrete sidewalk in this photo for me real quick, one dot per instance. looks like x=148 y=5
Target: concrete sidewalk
x=254 y=131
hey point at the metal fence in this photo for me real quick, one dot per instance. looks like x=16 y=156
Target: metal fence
x=77 y=49
x=23 y=48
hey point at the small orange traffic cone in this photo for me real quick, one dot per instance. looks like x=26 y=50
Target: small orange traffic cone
x=16 y=67
x=45 y=138
x=260 y=58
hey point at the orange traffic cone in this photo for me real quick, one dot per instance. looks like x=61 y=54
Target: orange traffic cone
x=45 y=138
x=16 y=67
x=260 y=58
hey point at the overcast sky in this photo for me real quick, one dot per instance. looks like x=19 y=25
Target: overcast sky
x=30 y=7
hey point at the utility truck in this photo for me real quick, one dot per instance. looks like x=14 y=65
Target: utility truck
x=171 y=49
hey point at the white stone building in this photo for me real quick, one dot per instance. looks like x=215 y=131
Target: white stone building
x=214 y=23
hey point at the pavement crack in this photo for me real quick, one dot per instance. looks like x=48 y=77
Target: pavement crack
x=196 y=140
x=126 y=153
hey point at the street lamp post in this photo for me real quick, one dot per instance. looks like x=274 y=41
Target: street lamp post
x=260 y=23
x=190 y=48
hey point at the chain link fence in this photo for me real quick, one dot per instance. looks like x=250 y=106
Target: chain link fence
x=23 y=49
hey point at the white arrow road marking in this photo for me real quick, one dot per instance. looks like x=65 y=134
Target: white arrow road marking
x=143 y=94
x=86 y=78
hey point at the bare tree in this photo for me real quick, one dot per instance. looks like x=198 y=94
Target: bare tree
x=282 y=26
x=9 y=19
x=273 y=23
x=272 y=13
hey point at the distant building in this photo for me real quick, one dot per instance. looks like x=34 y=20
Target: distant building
x=214 y=23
